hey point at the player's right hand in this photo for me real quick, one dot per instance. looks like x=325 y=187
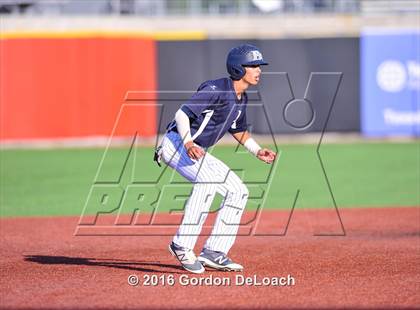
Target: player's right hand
x=194 y=151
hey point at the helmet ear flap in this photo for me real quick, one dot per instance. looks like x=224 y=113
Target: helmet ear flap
x=237 y=72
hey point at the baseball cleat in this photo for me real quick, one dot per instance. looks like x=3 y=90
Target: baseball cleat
x=187 y=258
x=218 y=260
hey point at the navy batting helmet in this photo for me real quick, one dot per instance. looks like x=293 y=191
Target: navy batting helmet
x=243 y=55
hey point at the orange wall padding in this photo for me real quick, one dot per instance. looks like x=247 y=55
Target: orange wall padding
x=74 y=87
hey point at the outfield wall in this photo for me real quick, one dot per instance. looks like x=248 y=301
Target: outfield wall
x=74 y=84
x=184 y=65
x=67 y=85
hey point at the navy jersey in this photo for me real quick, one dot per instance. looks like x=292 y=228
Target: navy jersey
x=213 y=110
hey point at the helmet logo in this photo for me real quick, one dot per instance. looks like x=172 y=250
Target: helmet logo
x=255 y=55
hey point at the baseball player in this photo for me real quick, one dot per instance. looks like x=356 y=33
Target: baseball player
x=218 y=106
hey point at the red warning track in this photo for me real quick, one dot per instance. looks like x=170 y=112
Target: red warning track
x=376 y=265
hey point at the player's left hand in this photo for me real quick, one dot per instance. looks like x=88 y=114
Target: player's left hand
x=194 y=151
x=266 y=155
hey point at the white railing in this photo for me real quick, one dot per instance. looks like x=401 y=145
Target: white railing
x=205 y=7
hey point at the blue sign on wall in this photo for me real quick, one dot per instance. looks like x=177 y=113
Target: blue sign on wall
x=390 y=83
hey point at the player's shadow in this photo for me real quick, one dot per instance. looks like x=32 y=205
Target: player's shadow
x=140 y=266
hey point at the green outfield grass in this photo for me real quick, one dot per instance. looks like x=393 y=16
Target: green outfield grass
x=57 y=182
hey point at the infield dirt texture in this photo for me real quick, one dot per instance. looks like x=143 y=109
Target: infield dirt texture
x=374 y=264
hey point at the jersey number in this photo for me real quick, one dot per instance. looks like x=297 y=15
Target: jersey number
x=234 y=122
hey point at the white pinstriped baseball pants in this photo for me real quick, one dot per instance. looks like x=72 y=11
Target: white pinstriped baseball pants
x=210 y=176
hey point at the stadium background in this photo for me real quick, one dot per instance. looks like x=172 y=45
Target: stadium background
x=82 y=66
x=68 y=67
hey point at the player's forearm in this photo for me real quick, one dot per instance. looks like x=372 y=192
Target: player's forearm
x=183 y=125
x=241 y=137
x=247 y=141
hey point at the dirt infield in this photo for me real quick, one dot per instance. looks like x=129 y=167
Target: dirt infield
x=376 y=265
